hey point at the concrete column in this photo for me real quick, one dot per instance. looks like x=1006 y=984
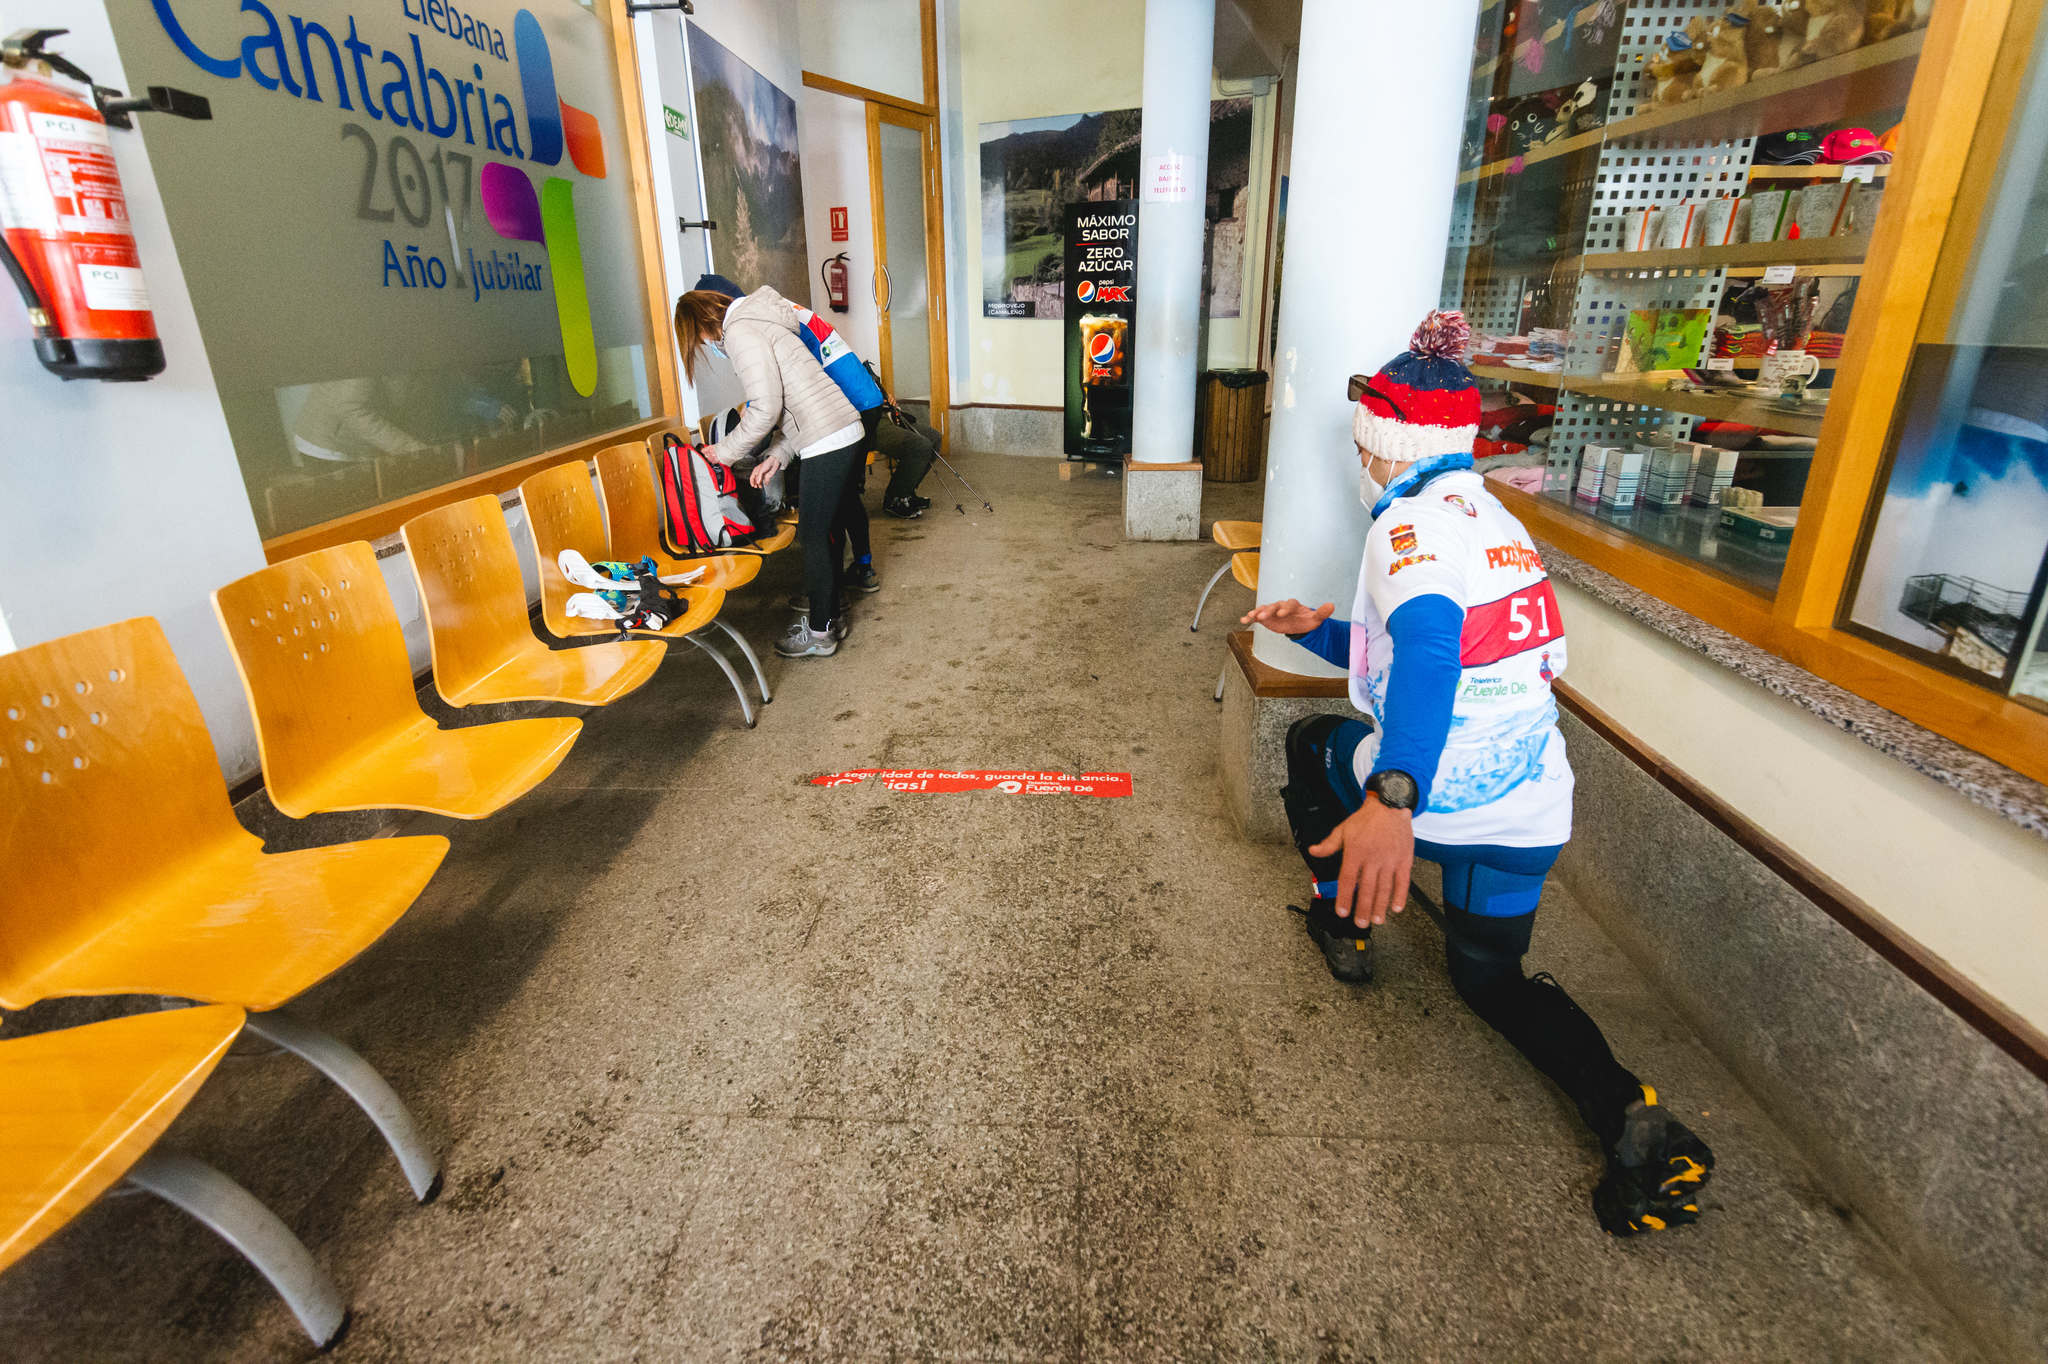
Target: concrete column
x=1379 y=103
x=1163 y=494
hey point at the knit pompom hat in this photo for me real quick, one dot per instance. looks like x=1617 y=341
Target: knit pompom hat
x=1423 y=402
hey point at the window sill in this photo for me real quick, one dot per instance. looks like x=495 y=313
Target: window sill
x=2009 y=794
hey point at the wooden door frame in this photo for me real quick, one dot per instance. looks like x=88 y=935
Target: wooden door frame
x=927 y=127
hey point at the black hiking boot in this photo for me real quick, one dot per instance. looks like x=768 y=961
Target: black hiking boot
x=1654 y=1172
x=1346 y=948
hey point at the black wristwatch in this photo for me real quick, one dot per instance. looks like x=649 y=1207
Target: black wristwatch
x=1395 y=788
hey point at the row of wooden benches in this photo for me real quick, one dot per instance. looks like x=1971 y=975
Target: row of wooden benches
x=128 y=873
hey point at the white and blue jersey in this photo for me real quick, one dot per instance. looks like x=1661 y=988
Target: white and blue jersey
x=1452 y=586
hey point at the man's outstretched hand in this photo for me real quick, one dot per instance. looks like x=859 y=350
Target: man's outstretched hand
x=1379 y=851
x=1288 y=617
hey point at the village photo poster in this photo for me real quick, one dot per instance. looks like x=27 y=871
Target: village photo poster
x=746 y=128
x=1032 y=168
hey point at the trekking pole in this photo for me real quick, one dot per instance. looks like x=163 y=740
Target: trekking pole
x=986 y=505
x=901 y=418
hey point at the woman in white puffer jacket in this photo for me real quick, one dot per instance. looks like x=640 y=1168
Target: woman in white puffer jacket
x=786 y=387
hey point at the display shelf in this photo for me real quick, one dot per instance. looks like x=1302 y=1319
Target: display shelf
x=1752 y=257
x=1534 y=269
x=1508 y=374
x=1716 y=406
x=1873 y=77
x=1814 y=172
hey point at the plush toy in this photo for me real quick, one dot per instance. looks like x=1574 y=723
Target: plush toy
x=1578 y=114
x=1832 y=28
x=1531 y=122
x=1760 y=36
x=1676 y=69
x=1889 y=18
x=1791 y=34
x=1726 y=64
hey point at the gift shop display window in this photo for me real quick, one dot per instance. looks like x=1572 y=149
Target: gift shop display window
x=1760 y=319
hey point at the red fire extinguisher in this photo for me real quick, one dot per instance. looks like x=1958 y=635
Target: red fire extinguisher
x=835 y=274
x=65 y=238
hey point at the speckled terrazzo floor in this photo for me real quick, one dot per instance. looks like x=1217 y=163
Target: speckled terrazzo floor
x=729 y=1067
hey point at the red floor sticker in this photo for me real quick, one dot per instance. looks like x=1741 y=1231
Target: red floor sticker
x=934 y=781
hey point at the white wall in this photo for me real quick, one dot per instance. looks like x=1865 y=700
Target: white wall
x=120 y=500
x=875 y=43
x=1018 y=61
x=1966 y=884
x=835 y=166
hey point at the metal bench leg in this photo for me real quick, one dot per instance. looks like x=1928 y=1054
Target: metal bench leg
x=360 y=1081
x=760 y=678
x=739 y=688
x=1220 y=677
x=1205 y=594
x=238 y=1217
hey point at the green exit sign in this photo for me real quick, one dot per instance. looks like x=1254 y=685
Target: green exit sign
x=676 y=122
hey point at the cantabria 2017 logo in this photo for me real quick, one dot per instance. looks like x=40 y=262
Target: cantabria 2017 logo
x=419 y=97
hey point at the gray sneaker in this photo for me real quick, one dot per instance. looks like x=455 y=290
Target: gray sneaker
x=800 y=642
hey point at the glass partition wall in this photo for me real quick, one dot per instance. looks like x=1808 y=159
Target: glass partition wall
x=1953 y=563
x=1663 y=215
x=410 y=235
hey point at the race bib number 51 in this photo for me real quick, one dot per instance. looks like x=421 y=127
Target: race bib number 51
x=1525 y=619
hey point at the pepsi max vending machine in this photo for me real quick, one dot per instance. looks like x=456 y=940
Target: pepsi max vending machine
x=1102 y=316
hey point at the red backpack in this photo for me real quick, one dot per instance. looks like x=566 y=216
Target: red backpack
x=700 y=506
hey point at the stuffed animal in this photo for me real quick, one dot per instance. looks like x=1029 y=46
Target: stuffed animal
x=1726 y=64
x=1530 y=123
x=1889 y=18
x=1760 y=35
x=1832 y=28
x=1676 y=69
x=1791 y=35
x=1580 y=113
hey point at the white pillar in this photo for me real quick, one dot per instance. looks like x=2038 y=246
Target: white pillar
x=1379 y=105
x=1180 y=40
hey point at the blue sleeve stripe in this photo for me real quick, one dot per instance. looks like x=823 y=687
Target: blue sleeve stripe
x=1330 y=641
x=1421 y=688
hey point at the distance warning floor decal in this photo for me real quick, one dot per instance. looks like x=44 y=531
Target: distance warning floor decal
x=938 y=781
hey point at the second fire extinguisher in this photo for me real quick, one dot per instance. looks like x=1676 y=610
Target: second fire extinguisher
x=65 y=238
x=834 y=273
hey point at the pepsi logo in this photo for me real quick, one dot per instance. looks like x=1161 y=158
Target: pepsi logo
x=1085 y=291
x=1101 y=348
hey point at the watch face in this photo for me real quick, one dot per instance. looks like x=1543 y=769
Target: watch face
x=1395 y=789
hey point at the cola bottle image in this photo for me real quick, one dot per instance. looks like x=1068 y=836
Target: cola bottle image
x=1105 y=383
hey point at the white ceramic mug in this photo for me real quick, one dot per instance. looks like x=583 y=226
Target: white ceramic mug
x=1780 y=368
x=1718 y=222
x=1769 y=209
x=1680 y=225
x=1639 y=229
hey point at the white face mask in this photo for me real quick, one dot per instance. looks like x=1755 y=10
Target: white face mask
x=1370 y=489
x=715 y=348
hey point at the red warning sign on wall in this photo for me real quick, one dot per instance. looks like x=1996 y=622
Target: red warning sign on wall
x=937 y=781
x=838 y=224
